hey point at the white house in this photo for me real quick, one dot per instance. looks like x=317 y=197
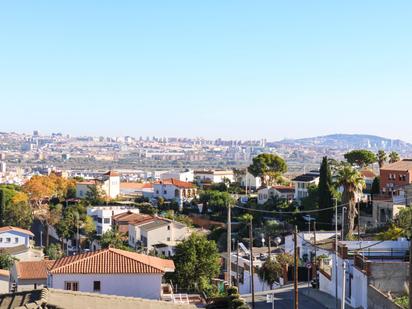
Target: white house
x=11 y=236
x=305 y=243
x=4 y=281
x=102 y=215
x=249 y=181
x=303 y=182
x=282 y=192
x=173 y=189
x=214 y=176
x=29 y=275
x=376 y=263
x=159 y=234
x=187 y=175
x=111 y=271
x=109 y=183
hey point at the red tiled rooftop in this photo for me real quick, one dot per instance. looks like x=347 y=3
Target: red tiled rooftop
x=32 y=270
x=111 y=261
x=16 y=229
x=177 y=183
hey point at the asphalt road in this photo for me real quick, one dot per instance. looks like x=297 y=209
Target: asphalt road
x=284 y=300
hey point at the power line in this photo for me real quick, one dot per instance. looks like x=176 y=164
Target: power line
x=294 y=212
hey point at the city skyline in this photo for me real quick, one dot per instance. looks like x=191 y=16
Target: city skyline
x=232 y=70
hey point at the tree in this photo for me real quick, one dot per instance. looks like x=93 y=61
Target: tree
x=382 y=157
x=325 y=193
x=197 y=263
x=360 y=157
x=53 y=252
x=394 y=157
x=216 y=200
x=95 y=195
x=232 y=301
x=270 y=271
x=6 y=261
x=18 y=214
x=376 y=187
x=353 y=183
x=267 y=167
x=114 y=239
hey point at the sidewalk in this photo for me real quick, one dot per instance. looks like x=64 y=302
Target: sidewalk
x=325 y=299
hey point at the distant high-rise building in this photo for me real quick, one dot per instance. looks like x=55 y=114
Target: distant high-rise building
x=35 y=133
x=2 y=167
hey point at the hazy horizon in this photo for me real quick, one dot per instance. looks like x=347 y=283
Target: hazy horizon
x=233 y=69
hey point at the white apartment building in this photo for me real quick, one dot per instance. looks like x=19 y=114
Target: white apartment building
x=109 y=183
x=159 y=234
x=281 y=192
x=250 y=182
x=102 y=216
x=214 y=176
x=303 y=182
x=187 y=175
x=173 y=189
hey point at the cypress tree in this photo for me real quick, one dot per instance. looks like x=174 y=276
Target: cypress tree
x=2 y=206
x=325 y=191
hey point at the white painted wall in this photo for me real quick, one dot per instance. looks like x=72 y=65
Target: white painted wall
x=251 y=181
x=187 y=176
x=132 y=285
x=102 y=216
x=13 y=239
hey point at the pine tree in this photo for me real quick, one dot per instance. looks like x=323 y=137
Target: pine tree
x=2 y=207
x=325 y=191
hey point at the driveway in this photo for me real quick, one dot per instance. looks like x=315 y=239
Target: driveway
x=283 y=300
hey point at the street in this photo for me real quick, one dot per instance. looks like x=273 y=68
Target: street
x=283 y=300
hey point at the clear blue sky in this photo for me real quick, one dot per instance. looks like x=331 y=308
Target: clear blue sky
x=236 y=69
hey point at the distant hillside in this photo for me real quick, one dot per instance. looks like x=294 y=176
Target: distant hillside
x=351 y=141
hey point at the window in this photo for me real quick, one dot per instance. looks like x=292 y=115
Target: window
x=107 y=220
x=168 y=238
x=164 y=192
x=71 y=285
x=96 y=286
x=168 y=227
x=8 y=239
x=1 y=239
x=16 y=240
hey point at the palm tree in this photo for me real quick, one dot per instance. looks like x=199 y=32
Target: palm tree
x=394 y=157
x=382 y=157
x=352 y=182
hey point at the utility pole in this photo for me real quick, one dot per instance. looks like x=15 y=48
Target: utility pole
x=359 y=219
x=251 y=262
x=343 y=223
x=410 y=271
x=296 y=301
x=316 y=249
x=342 y=304
x=336 y=254
x=229 y=246
x=237 y=266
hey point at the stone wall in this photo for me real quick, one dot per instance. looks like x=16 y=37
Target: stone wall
x=378 y=300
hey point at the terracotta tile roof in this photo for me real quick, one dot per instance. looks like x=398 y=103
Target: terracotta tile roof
x=16 y=229
x=111 y=261
x=404 y=165
x=284 y=188
x=33 y=269
x=132 y=217
x=176 y=183
x=367 y=173
x=112 y=174
x=135 y=185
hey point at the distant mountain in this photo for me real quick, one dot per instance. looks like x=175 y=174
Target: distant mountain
x=350 y=141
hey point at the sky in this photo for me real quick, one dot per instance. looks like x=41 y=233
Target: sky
x=216 y=68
